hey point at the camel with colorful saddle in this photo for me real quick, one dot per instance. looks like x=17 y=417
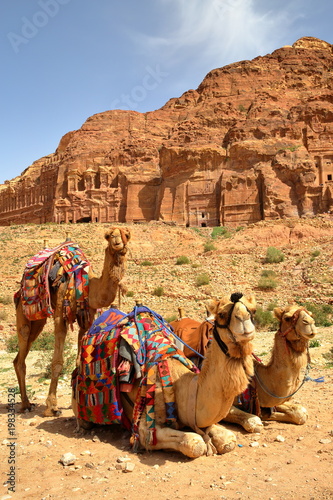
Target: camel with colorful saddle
x=131 y=372
x=60 y=282
x=273 y=385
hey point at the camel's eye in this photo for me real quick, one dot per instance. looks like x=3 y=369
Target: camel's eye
x=287 y=318
x=221 y=315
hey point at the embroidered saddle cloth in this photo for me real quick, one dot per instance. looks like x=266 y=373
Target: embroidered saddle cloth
x=65 y=262
x=96 y=382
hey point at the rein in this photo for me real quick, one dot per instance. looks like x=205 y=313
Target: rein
x=308 y=366
x=264 y=388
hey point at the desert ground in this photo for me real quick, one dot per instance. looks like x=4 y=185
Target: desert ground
x=284 y=461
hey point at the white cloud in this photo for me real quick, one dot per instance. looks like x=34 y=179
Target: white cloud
x=220 y=31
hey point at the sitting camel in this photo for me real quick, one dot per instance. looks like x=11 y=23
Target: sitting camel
x=201 y=399
x=101 y=292
x=276 y=382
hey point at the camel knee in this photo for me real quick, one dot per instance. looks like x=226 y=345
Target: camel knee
x=56 y=368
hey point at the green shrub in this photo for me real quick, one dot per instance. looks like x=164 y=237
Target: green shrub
x=267 y=283
x=274 y=255
x=171 y=318
x=44 y=342
x=182 y=260
x=44 y=361
x=220 y=231
x=202 y=279
x=209 y=246
x=315 y=254
x=3 y=315
x=146 y=263
x=265 y=319
x=159 y=291
x=314 y=343
x=195 y=265
x=268 y=273
x=130 y=294
x=6 y=299
x=271 y=306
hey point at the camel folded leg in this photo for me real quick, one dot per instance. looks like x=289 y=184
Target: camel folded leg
x=292 y=413
x=189 y=444
x=223 y=439
x=249 y=422
x=27 y=332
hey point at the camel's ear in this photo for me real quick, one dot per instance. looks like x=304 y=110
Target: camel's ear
x=108 y=233
x=252 y=300
x=127 y=233
x=278 y=313
x=212 y=306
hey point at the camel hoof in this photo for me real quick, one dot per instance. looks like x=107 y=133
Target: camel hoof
x=27 y=409
x=83 y=424
x=227 y=448
x=253 y=424
x=52 y=412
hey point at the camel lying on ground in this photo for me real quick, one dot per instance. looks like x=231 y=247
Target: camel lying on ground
x=101 y=293
x=279 y=380
x=201 y=399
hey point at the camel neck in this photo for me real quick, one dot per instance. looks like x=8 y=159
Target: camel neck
x=219 y=382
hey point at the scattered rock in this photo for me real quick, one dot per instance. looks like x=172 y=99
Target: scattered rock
x=67 y=459
x=279 y=439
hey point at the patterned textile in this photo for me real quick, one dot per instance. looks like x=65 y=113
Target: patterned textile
x=35 y=292
x=96 y=382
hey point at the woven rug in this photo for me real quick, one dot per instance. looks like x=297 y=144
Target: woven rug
x=73 y=267
x=96 y=381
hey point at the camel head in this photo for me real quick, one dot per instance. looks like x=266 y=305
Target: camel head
x=117 y=238
x=234 y=315
x=295 y=322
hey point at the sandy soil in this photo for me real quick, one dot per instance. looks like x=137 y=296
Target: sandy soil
x=300 y=466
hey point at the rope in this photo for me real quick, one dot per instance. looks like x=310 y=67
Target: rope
x=264 y=388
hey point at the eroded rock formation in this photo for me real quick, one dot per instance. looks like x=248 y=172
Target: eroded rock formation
x=253 y=142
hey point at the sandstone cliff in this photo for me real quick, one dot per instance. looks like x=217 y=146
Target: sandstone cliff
x=252 y=142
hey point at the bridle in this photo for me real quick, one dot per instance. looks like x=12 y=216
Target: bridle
x=235 y=297
x=293 y=322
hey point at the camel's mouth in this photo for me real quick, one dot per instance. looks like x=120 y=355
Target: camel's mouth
x=248 y=335
x=118 y=246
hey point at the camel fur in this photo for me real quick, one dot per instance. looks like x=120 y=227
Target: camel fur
x=203 y=399
x=102 y=292
x=282 y=376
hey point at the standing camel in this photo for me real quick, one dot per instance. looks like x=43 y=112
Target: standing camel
x=276 y=382
x=101 y=293
x=201 y=399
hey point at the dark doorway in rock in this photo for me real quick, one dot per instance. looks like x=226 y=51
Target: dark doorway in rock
x=84 y=219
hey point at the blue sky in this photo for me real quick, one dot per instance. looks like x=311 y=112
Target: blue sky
x=65 y=60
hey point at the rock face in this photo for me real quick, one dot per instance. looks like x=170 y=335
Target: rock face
x=253 y=142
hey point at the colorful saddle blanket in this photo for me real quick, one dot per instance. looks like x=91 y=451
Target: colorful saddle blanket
x=96 y=382
x=69 y=264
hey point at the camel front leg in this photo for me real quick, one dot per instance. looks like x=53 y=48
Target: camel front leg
x=249 y=422
x=189 y=444
x=292 y=413
x=60 y=332
x=223 y=439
